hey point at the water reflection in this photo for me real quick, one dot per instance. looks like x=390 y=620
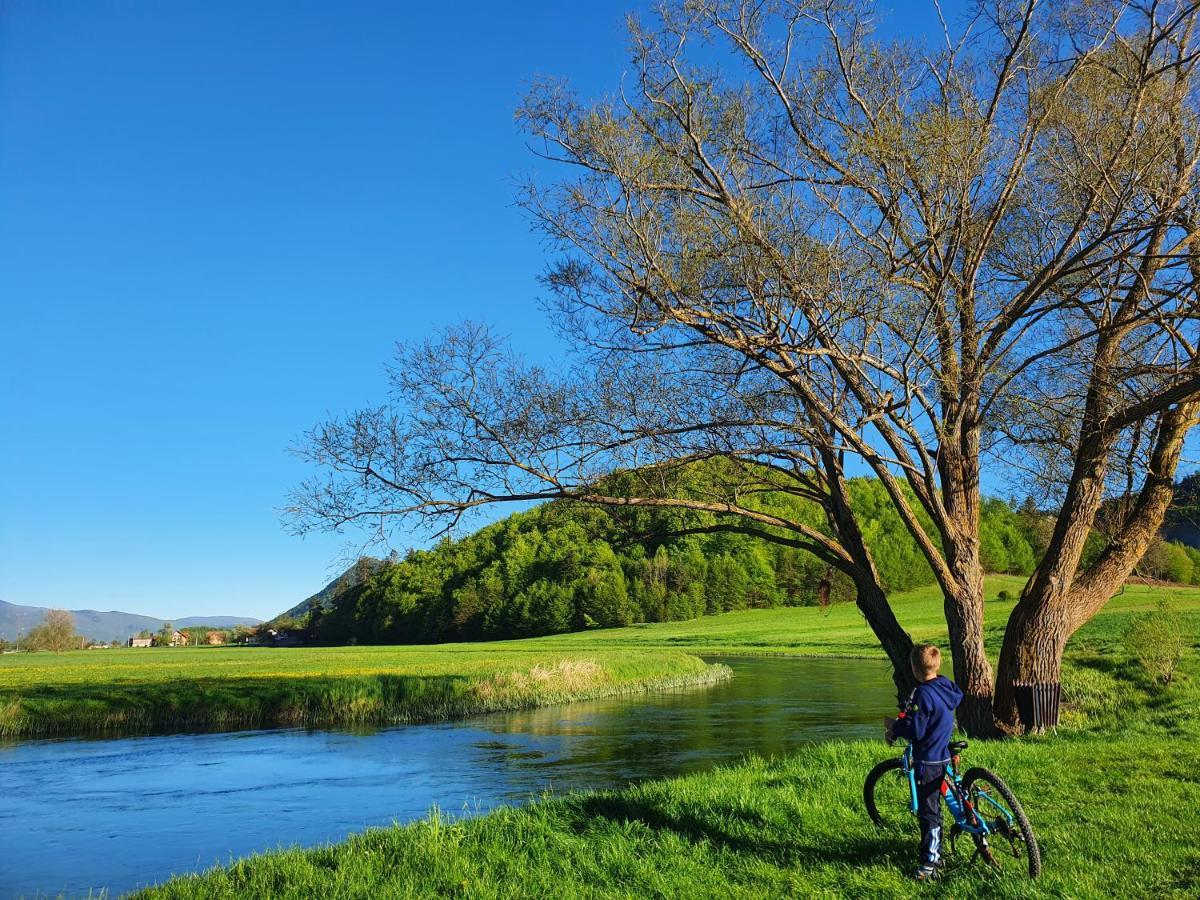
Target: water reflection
x=85 y=815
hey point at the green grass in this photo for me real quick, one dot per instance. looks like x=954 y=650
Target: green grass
x=130 y=691
x=1113 y=803
x=219 y=688
x=1113 y=796
x=841 y=631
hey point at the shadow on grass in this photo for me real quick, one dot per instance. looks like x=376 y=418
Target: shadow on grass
x=721 y=827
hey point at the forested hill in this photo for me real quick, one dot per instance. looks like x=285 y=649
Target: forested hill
x=563 y=567
x=566 y=567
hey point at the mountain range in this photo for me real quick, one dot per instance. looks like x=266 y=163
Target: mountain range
x=96 y=625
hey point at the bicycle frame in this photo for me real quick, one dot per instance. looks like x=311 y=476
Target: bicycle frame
x=979 y=826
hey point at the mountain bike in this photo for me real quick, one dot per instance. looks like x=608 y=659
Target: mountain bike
x=983 y=807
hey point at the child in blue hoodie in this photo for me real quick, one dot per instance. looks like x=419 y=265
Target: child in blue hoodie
x=927 y=721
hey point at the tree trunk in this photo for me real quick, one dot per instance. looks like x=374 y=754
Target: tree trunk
x=958 y=465
x=972 y=671
x=896 y=643
x=1030 y=659
x=1058 y=600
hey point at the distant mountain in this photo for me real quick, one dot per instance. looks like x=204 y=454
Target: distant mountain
x=362 y=569
x=105 y=626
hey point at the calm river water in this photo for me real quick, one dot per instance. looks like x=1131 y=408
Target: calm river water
x=80 y=816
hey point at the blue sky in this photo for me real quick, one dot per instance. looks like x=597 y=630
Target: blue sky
x=215 y=221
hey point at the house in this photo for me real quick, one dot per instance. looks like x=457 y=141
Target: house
x=141 y=642
x=179 y=639
x=214 y=637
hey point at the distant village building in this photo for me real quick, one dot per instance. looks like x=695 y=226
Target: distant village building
x=214 y=637
x=179 y=639
x=141 y=642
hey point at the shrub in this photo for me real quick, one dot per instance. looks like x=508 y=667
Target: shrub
x=1004 y=596
x=1156 y=641
x=1177 y=565
x=1088 y=693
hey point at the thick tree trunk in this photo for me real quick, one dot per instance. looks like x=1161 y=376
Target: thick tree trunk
x=1058 y=601
x=958 y=465
x=972 y=671
x=1030 y=660
x=896 y=643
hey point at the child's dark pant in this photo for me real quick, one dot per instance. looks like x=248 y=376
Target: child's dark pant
x=929 y=810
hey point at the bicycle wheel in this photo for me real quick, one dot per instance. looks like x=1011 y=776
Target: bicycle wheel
x=995 y=803
x=887 y=795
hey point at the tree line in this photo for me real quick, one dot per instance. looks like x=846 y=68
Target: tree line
x=560 y=568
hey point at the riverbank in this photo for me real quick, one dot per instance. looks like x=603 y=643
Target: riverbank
x=1112 y=800
x=121 y=692
x=134 y=691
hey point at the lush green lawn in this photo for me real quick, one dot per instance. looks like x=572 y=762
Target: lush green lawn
x=120 y=691
x=1113 y=802
x=1113 y=796
x=841 y=630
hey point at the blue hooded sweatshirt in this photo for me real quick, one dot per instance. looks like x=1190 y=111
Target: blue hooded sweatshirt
x=928 y=719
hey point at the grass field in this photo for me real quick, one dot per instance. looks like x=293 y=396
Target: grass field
x=841 y=631
x=1113 y=797
x=128 y=691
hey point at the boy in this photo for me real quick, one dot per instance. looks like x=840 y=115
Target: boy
x=927 y=721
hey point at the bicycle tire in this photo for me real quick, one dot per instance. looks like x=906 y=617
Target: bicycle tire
x=873 y=779
x=1033 y=853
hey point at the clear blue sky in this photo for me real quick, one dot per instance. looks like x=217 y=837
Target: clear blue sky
x=216 y=218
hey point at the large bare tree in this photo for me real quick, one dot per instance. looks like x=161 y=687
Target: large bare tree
x=788 y=244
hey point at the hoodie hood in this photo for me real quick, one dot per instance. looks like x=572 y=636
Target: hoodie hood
x=945 y=690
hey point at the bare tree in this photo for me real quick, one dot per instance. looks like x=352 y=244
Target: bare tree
x=637 y=424
x=55 y=632
x=836 y=247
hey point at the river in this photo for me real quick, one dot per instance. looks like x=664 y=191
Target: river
x=80 y=816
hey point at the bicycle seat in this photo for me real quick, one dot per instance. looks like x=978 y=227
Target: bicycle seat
x=958 y=746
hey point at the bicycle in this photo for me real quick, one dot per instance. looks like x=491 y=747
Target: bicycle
x=983 y=806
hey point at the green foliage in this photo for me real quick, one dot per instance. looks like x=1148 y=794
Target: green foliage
x=1178 y=566
x=560 y=568
x=1157 y=640
x=1169 y=561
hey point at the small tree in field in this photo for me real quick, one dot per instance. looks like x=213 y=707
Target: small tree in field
x=56 y=632
x=1157 y=640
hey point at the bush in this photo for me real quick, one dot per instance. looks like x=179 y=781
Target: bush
x=1156 y=641
x=1177 y=566
x=1090 y=694
x=1004 y=596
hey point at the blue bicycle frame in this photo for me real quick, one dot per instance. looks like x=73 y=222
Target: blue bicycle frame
x=979 y=826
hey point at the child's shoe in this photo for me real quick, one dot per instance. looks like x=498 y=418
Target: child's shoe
x=927 y=873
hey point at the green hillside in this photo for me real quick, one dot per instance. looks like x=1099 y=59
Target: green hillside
x=566 y=567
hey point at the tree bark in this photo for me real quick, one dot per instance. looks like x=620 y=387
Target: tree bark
x=1052 y=609
x=896 y=642
x=870 y=597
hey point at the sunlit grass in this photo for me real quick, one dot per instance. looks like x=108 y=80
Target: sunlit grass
x=1112 y=800
x=125 y=691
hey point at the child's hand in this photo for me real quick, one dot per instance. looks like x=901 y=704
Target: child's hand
x=889 y=725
